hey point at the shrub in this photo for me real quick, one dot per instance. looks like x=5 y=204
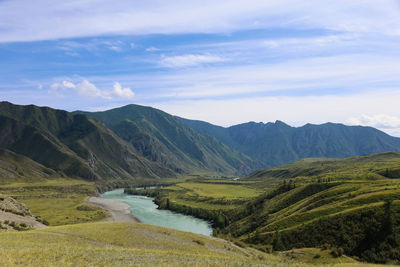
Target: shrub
x=317 y=256
x=325 y=246
x=85 y=208
x=199 y=242
x=337 y=252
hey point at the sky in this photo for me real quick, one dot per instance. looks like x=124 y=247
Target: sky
x=225 y=62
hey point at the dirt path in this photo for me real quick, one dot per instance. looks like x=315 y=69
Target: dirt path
x=118 y=210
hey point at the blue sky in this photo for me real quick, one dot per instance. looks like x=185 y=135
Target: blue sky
x=225 y=62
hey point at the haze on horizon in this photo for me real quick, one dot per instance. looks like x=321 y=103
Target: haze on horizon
x=225 y=62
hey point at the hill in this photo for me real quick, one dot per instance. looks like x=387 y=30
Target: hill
x=352 y=204
x=277 y=143
x=349 y=205
x=58 y=143
x=163 y=138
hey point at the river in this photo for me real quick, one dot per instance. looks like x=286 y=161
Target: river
x=146 y=210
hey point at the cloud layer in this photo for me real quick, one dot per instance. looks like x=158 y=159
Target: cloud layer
x=227 y=61
x=24 y=20
x=189 y=60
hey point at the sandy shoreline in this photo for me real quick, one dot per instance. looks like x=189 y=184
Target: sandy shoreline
x=119 y=211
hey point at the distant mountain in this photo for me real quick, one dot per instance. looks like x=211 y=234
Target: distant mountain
x=37 y=142
x=163 y=138
x=277 y=143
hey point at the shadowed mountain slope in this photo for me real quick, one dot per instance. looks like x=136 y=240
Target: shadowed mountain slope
x=163 y=138
x=71 y=145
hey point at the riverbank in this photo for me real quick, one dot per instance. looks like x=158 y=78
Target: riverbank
x=118 y=210
x=148 y=212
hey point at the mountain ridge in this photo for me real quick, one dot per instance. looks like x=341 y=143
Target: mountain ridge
x=162 y=137
x=278 y=143
x=72 y=145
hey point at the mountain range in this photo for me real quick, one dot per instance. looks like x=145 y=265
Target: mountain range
x=276 y=144
x=142 y=142
x=59 y=143
x=163 y=138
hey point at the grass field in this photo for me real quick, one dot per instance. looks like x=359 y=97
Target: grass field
x=133 y=244
x=58 y=201
x=216 y=195
x=119 y=244
x=218 y=190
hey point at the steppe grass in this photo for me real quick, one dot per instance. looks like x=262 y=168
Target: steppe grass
x=218 y=190
x=121 y=244
x=57 y=201
x=135 y=244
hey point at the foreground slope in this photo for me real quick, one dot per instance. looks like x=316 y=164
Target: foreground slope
x=278 y=143
x=163 y=138
x=134 y=244
x=66 y=144
x=120 y=244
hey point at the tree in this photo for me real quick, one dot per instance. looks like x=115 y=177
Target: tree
x=278 y=245
x=389 y=217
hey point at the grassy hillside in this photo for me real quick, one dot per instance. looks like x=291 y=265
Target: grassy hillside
x=18 y=168
x=68 y=145
x=133 y=244
x=350 y=205
x=373 y=166
x=163 y=138
x=275 y=144
x=119 y=244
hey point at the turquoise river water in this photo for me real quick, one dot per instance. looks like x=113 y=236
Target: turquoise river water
x=146 y=210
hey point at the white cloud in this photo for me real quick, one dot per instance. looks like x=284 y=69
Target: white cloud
x=152 y=49
x=88 y=89
x=122 y=92
x=189 y=60
x=378 y=120
x=320 y=75
x=55 y=86
x=68 y=84
x=115 y=48
x=97 y=17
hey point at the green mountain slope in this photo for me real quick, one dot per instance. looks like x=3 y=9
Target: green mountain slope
x=18 y=168
x=163 y=138
x=71 y=145
x=352 y=204
x=278 y=143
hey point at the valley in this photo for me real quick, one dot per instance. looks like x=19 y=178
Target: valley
x=322 y=210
